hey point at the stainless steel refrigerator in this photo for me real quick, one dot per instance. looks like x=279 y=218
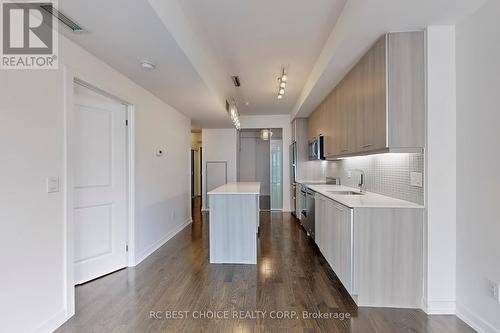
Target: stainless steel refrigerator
x=293 y=175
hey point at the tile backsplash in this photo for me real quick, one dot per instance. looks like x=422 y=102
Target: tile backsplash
x=387 y=174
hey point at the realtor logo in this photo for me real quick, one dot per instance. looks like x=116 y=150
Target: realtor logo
x=29 y=35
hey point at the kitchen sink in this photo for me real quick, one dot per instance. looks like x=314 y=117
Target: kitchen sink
x=345 y=192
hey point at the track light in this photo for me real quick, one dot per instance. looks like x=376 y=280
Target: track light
x=233 y=113
x=282 y=83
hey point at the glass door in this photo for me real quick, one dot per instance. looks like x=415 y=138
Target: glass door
x=276 y=166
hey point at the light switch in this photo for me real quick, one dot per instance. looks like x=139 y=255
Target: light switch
x=52 y=184
x=416 y=179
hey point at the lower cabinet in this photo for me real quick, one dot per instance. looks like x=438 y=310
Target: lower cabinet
x=377 y=253
x=334 y=226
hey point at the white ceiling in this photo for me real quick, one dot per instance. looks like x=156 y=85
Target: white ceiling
x=254 y=39
x=124 y=32
x=198 y=44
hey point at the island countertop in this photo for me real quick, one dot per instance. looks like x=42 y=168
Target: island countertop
x=237 y=188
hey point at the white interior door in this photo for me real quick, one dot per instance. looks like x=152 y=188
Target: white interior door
x=100 y=185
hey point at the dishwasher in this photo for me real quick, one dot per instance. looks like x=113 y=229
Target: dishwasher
x=307 y=218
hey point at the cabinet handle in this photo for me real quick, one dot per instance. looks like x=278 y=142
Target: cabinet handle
x=366 y=146
x=343 y=150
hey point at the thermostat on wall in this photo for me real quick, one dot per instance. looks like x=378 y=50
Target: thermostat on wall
x=160 y=152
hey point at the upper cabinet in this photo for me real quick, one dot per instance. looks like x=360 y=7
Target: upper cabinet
x=380 y=104
x=317 y=124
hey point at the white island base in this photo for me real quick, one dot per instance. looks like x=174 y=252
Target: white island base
x=234 y=223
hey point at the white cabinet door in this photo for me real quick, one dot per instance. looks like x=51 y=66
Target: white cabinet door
x=333 y=223
x=329 y=231
x=343 y=248
x=337 y=249
x=319 y=220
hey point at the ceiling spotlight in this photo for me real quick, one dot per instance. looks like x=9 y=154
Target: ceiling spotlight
x=147 y=65
x=233 y=113
x=282 y=83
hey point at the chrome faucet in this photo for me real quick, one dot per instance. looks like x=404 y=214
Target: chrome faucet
x=361 y=183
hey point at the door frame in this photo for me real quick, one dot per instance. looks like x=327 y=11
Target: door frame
x=192 y=165
x=71 y=77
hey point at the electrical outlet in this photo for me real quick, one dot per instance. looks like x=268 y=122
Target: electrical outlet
x=494 y=290
x=416 y=179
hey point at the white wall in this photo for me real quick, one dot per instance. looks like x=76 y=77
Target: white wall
x=478 y=165
x=439 y=296
x=219 y=145
x=276 y=121
x=32 y=228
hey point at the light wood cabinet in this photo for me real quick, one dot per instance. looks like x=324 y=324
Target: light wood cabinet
x=371 y=103
x=312 y=125
x=379 y=106
x=327 y=131
x=318 y=121
x=333 y=223
x=376 y=253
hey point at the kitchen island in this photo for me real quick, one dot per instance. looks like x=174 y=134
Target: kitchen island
x=234 y=223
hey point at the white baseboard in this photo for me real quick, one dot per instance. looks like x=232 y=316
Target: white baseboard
x=53 y=323
x=155 y=246
x=439 y=307
x=474 y=321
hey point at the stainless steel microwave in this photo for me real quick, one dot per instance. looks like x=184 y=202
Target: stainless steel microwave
x=316 y=148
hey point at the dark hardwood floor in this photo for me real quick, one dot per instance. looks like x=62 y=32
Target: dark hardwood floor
x=291 y=276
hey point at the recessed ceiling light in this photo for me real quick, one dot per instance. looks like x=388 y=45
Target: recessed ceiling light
x=280 y=96
x=283 y=77
x=148 y=65
x=282 y=91
x=282 y=84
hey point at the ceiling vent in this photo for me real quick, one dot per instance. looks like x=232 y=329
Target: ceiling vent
x=62 y=18
x=236 y=80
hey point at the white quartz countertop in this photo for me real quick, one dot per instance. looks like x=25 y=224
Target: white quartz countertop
x=366 y=200
x=237 y=188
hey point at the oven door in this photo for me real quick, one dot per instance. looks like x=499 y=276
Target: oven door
x=303 y=205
